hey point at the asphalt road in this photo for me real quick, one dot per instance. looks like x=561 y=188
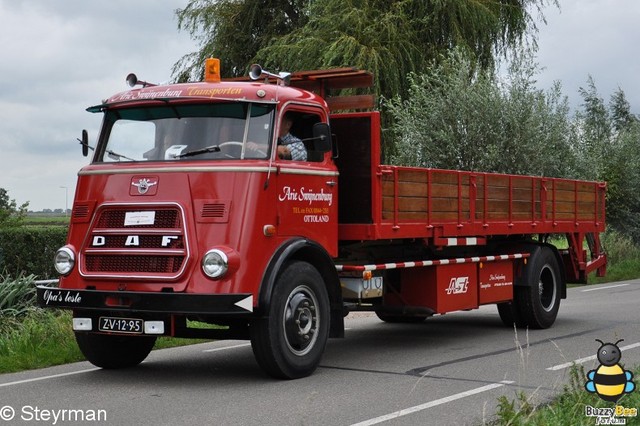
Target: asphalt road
x=448 y=371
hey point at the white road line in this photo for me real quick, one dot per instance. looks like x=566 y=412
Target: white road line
x=589 y=358
x=430 y=404
x=227 y=347
x=36 y=379
x=604 y=288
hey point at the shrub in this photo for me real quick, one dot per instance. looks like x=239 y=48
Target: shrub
x=30 y=250
x=17 y=297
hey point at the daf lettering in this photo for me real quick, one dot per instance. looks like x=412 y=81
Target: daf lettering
x=132 y=240
x=166 y=240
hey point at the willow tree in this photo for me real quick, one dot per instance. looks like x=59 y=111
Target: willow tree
x=393 y=38
x=388 y=37
x=234 y=30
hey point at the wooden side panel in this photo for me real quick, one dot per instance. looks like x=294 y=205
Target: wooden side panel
x=445 y=196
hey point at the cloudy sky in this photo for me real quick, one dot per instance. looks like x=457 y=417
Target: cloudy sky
x=59 y=57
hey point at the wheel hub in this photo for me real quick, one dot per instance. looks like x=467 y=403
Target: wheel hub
x=300 y=321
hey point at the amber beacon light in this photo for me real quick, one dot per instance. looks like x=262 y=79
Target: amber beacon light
x=212 y=70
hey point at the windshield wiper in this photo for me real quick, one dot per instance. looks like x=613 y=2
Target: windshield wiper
x=116 y=156
x=212 y=148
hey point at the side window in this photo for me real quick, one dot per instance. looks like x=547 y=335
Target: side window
x=295 y=138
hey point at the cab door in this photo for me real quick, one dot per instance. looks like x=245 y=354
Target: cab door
x=307 y=190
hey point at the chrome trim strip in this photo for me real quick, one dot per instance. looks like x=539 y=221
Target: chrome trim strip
x=181 y=169
x=292 y=171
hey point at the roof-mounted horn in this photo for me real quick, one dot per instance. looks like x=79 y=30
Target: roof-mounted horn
x=256 y=72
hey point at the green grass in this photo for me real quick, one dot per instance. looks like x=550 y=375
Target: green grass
x=43 y=338
x=46 y=219
x=568 y=409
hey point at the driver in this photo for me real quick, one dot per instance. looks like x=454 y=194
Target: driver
x=289 y=146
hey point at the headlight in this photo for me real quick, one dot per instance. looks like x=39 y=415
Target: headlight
x=64 y=260
x=215 y=263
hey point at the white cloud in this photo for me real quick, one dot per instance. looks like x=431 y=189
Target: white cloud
x=58 y=58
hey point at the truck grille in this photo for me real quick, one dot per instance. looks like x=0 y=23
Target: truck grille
x=118 y=247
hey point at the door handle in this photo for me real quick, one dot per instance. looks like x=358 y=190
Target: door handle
x=332 y=183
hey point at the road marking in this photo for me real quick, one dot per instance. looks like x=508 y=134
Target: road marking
x=589 y=358
x=54 y=376
x=604 y=288
x=227 y=347
x=431 y=404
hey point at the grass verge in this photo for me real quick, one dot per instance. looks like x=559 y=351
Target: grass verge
x=569 y=409
x=43 y=338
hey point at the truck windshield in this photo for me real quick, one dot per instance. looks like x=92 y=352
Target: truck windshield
x=223 y=131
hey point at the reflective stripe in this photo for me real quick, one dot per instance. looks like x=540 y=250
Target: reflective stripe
x=423 y=263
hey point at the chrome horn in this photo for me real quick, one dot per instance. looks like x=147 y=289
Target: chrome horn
x=256 y=72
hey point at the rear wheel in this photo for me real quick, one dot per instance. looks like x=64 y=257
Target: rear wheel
x=539 y=301
x=114 y=351
x=509 y=314
x=290 y=341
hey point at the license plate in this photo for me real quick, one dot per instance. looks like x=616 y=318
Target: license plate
x=121 y=325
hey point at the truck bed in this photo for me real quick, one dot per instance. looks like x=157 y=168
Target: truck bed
x=431 y=203
x=378 y=201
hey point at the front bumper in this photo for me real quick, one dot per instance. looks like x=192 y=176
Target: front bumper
x=134 y=301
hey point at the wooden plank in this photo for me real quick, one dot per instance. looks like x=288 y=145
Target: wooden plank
x=340 y=103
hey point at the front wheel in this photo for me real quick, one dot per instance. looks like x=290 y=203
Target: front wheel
x=290 y=341
x=114 y=351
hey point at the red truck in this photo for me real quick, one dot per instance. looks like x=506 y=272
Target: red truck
x=187 y=217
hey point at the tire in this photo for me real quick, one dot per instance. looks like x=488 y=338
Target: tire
x=114 y=351
x=289 y=342
x=509 y=314
x=538 y=302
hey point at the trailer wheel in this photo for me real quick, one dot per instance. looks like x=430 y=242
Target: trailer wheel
x=509 y=314
x=114 y=351
x=289 y=342
x=538 y=303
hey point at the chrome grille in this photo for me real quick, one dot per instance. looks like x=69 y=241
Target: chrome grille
x=114 y=248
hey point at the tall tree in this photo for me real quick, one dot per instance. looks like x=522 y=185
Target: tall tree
x=234 y=30
x=394 y=37
x=388 y=37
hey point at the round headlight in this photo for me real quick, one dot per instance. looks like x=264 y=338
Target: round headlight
x=64 y=260
x=215 y=263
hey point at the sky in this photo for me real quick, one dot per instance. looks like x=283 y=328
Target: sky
x=59 y=57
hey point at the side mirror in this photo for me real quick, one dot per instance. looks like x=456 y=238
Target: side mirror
x=322 y=137
x=85 y=143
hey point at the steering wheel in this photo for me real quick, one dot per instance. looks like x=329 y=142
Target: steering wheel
x=236 y=143
x=230 y=143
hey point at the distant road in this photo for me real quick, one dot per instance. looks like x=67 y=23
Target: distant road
x=448 y=371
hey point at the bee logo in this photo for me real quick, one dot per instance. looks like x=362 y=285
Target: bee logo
x=609 y=380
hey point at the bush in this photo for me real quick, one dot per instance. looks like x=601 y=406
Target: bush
x=30 y=250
